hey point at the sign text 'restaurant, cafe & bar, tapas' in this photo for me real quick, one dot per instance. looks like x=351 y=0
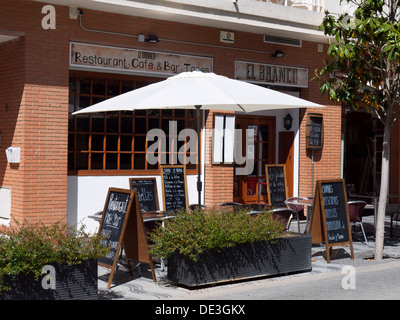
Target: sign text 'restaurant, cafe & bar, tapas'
x=89 y=56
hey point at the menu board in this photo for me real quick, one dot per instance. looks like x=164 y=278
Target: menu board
x=122 y=223
x=330 y=221
x=174 y=188
x=333 y=198
x=276 y=184
x=146 y=189
x=314 y=131
x=116 y=211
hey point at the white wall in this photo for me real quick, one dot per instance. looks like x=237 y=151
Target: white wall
x=87 y=195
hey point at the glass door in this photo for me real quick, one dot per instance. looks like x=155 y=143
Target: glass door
x=251 y=188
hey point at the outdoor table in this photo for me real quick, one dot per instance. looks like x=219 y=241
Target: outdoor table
x=147 y=217
x=257 y=207
x=303 y=202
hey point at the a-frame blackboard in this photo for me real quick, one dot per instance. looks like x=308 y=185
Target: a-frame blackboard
x=330 y=223
x=122 y=224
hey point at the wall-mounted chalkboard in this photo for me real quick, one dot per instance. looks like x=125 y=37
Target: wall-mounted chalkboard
x=146 y=189
x=330 y=221
x=174 y=188
x=314 y=131
x=276 y=184
x=122 y=222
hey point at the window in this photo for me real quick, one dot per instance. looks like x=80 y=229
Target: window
x=115 y=142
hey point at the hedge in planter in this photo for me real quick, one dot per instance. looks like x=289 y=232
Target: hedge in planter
x=66 y=253
x=287 y=254
x=208 y=247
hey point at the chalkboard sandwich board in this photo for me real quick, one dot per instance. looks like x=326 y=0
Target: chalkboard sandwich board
x=174 y=188
x=122 y=223
x=330 y=221
x=146 y=189
x=314 y=131
x=276 y=184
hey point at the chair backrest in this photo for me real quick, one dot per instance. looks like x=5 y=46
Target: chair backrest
x=296 y=207
x=356 y=209
x=282 y=214
x=196 y=206
x=230 y=204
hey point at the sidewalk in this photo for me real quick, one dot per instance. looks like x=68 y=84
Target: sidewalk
x=136 y=287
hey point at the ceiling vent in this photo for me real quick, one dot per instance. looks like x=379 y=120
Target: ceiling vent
x=282 y=40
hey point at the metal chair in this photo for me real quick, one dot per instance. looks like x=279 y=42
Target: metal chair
x=356 y=209
x=297 y=208
x=283 y=214
x=230 y=204
x=196 y=206
x=236 y=206
x=395 y=216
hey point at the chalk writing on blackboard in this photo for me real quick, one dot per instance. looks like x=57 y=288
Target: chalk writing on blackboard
x=112 y=224
x=315 y=131
x=146 y=189
x=335 y=211
x=122 y=223
x=330 y=221
x=276 y=184
x=174 y=188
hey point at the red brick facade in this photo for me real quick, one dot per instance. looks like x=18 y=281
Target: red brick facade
x=34 y=99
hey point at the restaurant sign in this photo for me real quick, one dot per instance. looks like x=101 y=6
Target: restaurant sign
x=271 y=74
x=115 y=59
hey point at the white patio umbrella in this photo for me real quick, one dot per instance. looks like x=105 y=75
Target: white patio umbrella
x=199 y=90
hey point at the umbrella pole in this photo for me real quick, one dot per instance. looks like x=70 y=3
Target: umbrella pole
x=199 y=183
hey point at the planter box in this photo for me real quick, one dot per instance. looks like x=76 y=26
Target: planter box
x=72 y=282
x=290 y=253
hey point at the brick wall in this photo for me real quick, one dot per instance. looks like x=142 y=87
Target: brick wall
x=36 y=114
x=219 y=178
x=326 y=161
x=34 y=97
x=11 y=128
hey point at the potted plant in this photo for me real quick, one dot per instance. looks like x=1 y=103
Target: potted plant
x=207 y=247
x=55 y=261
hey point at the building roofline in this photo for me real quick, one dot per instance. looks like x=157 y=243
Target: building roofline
x=244 y=15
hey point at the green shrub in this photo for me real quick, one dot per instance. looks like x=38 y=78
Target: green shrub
x=195 y=232
x=28 y=247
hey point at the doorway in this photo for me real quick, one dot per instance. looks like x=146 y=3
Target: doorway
x=286 y=157
x=363 y=151
x=250 y=188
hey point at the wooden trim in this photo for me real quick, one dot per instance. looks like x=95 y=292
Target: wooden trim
x=186 y=119
x=153 y=172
